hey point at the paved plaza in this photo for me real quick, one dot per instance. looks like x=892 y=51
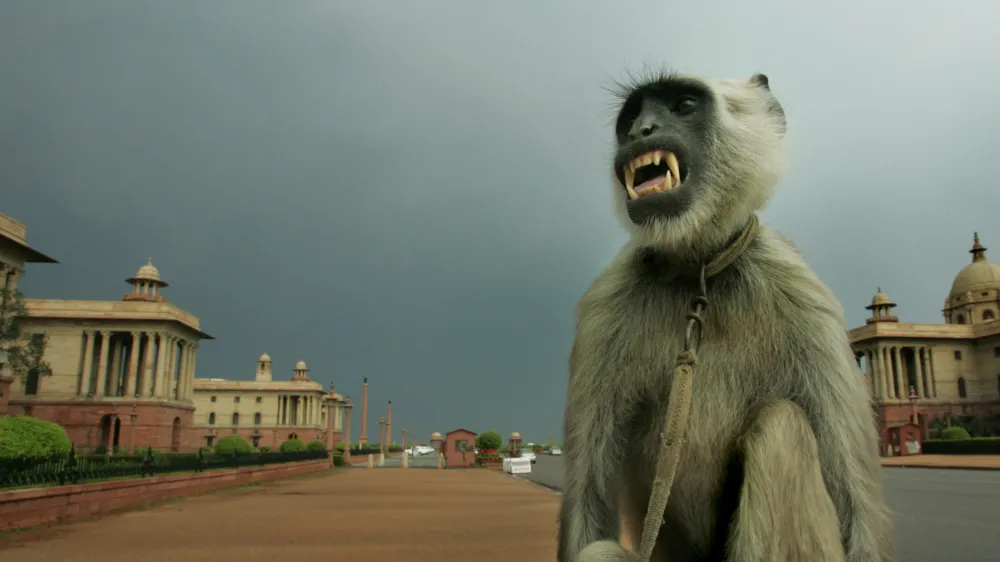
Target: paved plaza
x=358 y=515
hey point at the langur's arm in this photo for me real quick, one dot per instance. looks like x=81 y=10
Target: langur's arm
x=591 y=433
x=837 y=403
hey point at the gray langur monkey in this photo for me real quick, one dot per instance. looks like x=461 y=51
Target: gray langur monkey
x=779 y=461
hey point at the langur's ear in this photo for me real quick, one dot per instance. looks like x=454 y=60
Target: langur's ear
x=760 y=80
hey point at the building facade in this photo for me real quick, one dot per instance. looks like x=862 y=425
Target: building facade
x=122 y=372
x=267 y=412
x=935 y=371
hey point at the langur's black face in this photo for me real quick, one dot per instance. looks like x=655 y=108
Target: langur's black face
x=663 y=135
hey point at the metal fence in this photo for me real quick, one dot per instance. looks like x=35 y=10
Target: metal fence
x=73 y=469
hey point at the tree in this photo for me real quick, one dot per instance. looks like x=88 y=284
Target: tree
x=22 y=353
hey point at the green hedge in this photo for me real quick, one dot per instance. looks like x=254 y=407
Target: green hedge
x=316 y=445
x=25 y=436
x=973 y=446
x=233 y=444
x=292 y=446
x=338 y=459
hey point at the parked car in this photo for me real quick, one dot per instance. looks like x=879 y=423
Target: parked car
x=556 y=451
x=528 y=454
x=420 y=450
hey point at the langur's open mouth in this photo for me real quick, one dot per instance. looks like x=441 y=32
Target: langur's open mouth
x=652 y=172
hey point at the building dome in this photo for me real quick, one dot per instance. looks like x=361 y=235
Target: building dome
x=979 y=275
x=265 y=358
x=301 y=366
x=515 y=435
x=148 y=272
x=880 y=299
x=435 y=436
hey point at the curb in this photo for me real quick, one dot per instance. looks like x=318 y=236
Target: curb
x=537 y=484
x=946 y=467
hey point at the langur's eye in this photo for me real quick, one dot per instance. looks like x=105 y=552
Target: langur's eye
x=686 y=105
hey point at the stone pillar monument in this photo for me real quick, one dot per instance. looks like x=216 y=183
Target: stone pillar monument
x=388 y=429
x=331 y=408
x=381 y=440
x=347 y=430
x=363 y=438
x=406 y=457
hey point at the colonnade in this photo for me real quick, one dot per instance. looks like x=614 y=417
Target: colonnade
x=299 y=409
x=891 y=370
x=137 y=364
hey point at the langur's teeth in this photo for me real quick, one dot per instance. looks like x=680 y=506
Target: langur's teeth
x=656 y=157
x=668 y=181
x=675 y=167
x=631 y=193
x=629 y=179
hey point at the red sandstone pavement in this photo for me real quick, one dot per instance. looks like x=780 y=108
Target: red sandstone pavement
x=357 y=515
x=967 y=462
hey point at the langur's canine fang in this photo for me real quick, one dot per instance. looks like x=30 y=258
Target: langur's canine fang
x=762 y=437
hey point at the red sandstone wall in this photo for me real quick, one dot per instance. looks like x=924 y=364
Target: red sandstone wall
x=5 y=383
x=153 y=424
x=38 y=506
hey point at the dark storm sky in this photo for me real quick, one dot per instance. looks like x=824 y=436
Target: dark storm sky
x=416 y=192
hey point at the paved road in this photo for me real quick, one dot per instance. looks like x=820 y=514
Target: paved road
x=420 y=461
x=940 y=515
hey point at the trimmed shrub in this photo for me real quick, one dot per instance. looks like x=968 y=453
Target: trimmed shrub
x=950 y=433
x=316 y=446
x=293 y=446
x=338 y=459
x=265 y=449
x=233 y=444
x=972 y=446
x=339 y=447
x=23 y=436
x=489 y=440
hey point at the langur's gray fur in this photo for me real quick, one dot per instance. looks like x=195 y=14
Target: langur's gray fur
x=781 y=459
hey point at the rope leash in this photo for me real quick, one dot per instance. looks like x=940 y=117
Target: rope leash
x=679 y=411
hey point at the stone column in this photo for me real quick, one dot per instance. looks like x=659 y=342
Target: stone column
x=885 y=373
x=182 y=364
x=363 y=438
x=329 y=425
x=133 y=365
x=381 y=434
x=931 y=372
x=347 y=430
x=897 y=369
x=873 y=370
x=89 y=339
x=102 y=365
x=117 y=349
x=189 y=394
x=160 y=367
x=388 y=428
x=147 y=367
x=919 y=374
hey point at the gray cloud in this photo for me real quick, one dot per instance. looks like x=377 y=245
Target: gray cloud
x=418 y=194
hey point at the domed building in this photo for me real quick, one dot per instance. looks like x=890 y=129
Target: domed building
x=935 y=370
x=266 y=411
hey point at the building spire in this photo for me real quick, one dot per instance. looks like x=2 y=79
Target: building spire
x=978 y=251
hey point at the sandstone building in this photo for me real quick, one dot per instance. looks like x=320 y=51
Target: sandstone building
x=937 y=370
x=123 y=372
x=267 y=412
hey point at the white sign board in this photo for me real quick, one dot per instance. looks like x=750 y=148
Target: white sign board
x=520 y=466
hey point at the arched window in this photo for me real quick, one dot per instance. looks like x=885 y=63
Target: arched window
x=256 y=418
x=961 y=388
x=988 y=315
x=211 y=418
x=960 y=319
x=236 y=418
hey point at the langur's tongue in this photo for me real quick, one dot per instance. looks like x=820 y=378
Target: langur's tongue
x=653 y=182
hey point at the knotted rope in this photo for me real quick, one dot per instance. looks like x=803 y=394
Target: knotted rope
x=679 y=410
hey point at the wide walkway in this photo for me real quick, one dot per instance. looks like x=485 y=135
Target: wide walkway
x=357 y=515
